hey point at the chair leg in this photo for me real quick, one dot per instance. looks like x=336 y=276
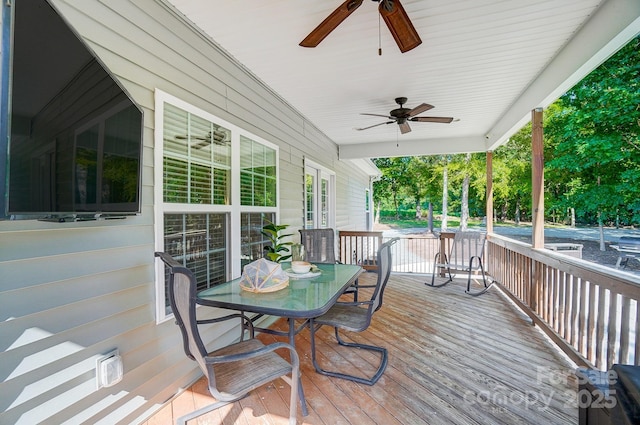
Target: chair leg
x=367 y=381
x=303 y=402
x=435 y=268
x=484 y=278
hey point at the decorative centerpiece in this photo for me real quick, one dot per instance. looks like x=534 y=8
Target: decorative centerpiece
x=300 y=266
x=263 y=276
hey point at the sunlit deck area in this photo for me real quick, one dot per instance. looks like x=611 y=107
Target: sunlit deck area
x=453 y=359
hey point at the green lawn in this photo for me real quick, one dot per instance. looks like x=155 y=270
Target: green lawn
x=405 y=223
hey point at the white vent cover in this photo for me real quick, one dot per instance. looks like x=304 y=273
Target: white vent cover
x=109 y=369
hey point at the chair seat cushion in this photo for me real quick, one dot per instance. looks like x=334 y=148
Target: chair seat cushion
x=347 y=317
x=234 y=377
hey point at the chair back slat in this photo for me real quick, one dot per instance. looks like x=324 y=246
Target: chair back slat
x=319 y=245
x=182 y=295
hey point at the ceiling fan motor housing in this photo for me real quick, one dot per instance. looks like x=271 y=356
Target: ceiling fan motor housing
x=401 y=114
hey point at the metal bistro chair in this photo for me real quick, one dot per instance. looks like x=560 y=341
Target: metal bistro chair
x=466 y=254
x=356 y=317
x=236 y=369
x=319 y=245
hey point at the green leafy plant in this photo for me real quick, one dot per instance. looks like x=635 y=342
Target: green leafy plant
x=278 y=250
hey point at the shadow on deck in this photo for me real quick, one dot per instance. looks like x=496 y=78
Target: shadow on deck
x=453 y=359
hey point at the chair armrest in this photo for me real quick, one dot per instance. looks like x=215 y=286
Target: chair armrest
x=247 y=321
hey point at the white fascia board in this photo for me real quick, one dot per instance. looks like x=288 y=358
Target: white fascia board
x=413 y=148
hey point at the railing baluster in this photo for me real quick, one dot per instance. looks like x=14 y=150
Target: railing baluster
x=582 y=318
x=612 y=330
x=600 y=328
x=592 y=323
x=574 y=311
x=624 y=330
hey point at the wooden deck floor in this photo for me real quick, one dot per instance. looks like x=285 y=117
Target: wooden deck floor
x=453 y=359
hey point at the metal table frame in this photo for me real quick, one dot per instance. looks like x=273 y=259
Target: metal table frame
x=302 y=299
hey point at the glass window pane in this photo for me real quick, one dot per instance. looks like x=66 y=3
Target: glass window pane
x=324 y=203
x=198 y=154
x=258 y=185
x=252 y=239
x=175 y=130
x=309 y=184
x=175 y=181
x=198 y=241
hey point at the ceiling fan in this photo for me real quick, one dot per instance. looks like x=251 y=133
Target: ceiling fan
x=402 y=115
x=217 y=137
x=392 y=12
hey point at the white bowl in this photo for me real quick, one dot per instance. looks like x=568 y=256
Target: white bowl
x=300 y=266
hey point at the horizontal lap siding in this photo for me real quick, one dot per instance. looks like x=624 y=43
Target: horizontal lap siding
x=72 y=291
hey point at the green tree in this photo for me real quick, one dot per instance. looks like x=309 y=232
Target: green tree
x=594 y=142
x=512 y=177
x=395 y=182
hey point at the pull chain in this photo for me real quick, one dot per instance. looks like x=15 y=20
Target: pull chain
x=379 y=38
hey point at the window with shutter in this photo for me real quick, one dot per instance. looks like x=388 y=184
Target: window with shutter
x=201 y=222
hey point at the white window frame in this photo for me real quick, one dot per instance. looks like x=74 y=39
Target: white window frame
x=233 y=210
x=320 y=173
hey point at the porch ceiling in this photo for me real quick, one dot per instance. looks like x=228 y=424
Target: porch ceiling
x=486 y=62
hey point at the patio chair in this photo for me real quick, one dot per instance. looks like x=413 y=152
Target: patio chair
x=236 y=369
x=356 y=317
x=466 y=255
x=319 y=245
x=320 y=248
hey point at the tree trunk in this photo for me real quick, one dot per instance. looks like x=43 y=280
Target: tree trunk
x=376 y=217
x=430 y=217
x=395 y=204
x=572 y=217
x=601 y=228
x=445 y=197
x=516 y=217
x=464 y=213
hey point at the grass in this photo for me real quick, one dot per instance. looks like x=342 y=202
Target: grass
x=406 y=223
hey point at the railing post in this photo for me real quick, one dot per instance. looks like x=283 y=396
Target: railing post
x=445 y=245
x=537 y=177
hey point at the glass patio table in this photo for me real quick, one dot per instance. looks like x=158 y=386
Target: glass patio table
x=302 y=299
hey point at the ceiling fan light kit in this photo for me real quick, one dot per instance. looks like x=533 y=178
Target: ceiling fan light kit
x=392 y=12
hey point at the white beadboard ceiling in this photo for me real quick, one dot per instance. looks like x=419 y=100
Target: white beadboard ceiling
x=487 y=63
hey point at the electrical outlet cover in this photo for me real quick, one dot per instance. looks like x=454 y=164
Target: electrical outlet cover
x=109 y=369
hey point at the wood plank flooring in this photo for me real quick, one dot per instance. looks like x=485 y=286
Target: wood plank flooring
x=453 y=359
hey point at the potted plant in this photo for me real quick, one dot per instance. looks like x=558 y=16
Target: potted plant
x=278 y=250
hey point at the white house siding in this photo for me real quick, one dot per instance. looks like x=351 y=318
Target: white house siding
x=72 y=291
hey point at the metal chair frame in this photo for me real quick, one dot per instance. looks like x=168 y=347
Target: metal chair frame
x=235 y=370
x=356 y=317
x=319 y=245
x=466 y=253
